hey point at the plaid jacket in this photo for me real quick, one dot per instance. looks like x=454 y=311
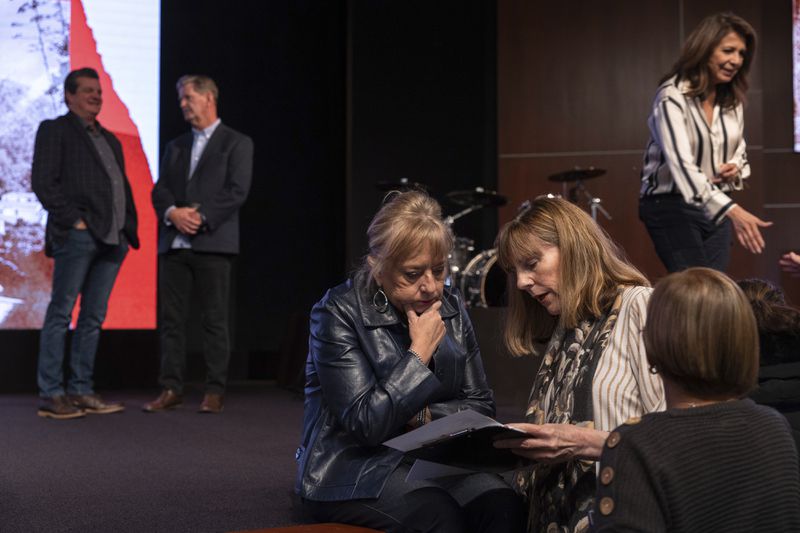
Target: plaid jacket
x=69 y=179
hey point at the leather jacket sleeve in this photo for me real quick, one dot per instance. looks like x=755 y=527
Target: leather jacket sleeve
x=369 y=408
x=374 y=387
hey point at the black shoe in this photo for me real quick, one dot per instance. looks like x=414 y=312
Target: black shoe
x=94 y=404
x=59 y=407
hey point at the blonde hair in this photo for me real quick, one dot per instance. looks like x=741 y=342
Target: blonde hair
x=405 y=224
x=591 y=269
x=701 y=333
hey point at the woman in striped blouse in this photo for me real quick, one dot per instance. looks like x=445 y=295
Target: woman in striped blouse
x=582 y=307
x=696 y=152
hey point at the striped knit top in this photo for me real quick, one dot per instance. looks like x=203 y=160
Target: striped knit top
x=623 y=386
x=730 y=466
x=684 y=152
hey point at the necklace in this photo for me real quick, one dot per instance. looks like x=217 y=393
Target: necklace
x=698 y=403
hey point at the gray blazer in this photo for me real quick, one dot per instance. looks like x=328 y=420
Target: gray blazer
x=220 y=185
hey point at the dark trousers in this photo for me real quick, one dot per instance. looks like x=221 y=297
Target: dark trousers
x=682 y=234
x=81 y=265
x=182 y=272
x=474 y=503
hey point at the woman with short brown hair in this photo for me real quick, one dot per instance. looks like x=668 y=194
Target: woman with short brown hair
x=713 y=461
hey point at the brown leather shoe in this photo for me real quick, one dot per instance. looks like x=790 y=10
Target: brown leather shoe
x=59 y=408
x=212 y=403
x=168 y=399
x=94 y=404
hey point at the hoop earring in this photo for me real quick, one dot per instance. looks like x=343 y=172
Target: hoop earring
x=380 y=301
x=653 y=369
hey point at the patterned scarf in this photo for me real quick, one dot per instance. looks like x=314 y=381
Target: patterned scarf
x=560 y=495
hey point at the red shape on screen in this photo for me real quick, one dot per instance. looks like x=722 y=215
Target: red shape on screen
x=133 y=300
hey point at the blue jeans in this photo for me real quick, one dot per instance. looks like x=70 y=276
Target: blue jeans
x=85 y=266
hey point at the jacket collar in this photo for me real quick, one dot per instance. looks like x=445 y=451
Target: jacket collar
x=370 y=315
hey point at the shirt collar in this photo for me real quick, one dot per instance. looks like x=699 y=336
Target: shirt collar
x=86 y=125
x=209 y=131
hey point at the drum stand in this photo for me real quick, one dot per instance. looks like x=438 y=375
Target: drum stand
x=594 y=202
x=452 y=218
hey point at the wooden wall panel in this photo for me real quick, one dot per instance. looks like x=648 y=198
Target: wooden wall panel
x=527 y=178
x=575 y=85
x=580 y=75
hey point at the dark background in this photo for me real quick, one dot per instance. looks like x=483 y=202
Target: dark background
x=337 y=96
x=454 y=94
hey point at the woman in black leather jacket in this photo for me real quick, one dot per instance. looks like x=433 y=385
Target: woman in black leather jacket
x=392 y=349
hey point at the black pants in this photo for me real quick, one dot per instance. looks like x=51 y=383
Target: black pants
x=475 y=503
x=682 y=234
x=180 y=273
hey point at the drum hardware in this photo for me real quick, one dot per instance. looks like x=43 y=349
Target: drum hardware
x=473 y=199
x=478 y=196
x=483 y=282
x=463 y=249
x=574 y=194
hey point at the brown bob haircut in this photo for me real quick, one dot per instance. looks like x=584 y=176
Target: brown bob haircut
x=692 y=65
x=406 y=224
x=701 y=333
x=591 y=269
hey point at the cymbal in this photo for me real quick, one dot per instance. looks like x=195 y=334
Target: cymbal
x=403 y=184
x=577 y=173
x=477 y=197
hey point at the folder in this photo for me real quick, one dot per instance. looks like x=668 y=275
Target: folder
x=462 y=440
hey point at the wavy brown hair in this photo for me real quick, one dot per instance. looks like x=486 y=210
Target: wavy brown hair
x=692 y=64
x=591 y=268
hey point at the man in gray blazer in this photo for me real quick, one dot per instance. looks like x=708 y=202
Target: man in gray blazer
x=204 y=180
x=79 y=177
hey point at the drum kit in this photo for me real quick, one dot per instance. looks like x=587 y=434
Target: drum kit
x=478 y=276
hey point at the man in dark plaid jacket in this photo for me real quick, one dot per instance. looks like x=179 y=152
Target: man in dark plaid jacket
x=79 y=177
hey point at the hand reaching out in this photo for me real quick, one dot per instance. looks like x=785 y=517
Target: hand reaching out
x=426 y=330
x=746 y=225
x=790 y=263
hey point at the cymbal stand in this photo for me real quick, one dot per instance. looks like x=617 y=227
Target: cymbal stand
x=595 y=203
x=452 y=218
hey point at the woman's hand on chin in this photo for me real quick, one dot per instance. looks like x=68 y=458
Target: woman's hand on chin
x=556 y=443
x=426 y=330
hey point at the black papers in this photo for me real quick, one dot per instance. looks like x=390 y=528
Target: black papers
x=463 y=440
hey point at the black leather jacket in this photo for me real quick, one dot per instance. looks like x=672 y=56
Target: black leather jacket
x=362 y=387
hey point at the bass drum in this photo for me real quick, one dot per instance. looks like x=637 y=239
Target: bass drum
x=483 y=282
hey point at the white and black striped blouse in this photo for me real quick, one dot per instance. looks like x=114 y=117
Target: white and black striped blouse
x=684 y=152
